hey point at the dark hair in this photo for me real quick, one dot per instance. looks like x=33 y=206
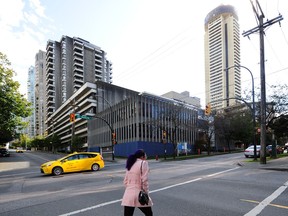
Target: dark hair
x=133 y=157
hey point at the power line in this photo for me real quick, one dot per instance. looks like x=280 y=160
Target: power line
x=153 y=55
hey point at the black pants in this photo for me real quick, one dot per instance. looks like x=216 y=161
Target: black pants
x=129 y=211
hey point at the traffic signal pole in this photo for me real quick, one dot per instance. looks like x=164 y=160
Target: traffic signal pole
x=72 y=120
x=113 y=134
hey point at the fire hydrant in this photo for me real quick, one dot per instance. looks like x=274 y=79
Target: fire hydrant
x=156 y=157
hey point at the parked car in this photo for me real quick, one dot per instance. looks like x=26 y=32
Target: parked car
x=76 y=162
x=249 y=152
x=279 y=149
x=4 y=152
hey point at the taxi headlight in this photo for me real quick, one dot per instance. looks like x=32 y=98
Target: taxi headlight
x=47 y=164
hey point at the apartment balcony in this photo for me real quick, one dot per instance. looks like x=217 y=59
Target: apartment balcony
x=50 y=111
x=50 y=77
x=50 y=103
x=50 y=47
x=77 y=43
x=79 y=64
x=49 y=65
x=50 y=82
x=98 y=77
x=78 y=77
x=50 y=70
x=79 y=69
x=78 y=51
x=50 y=58
x=78 y=85
x=78 y=59
x=50 y=91
x=98 y=62
x=98 y=71
x=50 y=85
x=97 y=55
x=79 y=80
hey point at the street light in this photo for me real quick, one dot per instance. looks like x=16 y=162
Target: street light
x=110 y=125
x=253 y=106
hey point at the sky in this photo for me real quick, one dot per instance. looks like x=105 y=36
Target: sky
x=155 y=46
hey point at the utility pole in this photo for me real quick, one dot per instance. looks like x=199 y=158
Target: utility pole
x=260 y=28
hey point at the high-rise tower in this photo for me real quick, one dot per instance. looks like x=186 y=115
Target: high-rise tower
x=40 y=93
x=31 y=100
x=222 y=50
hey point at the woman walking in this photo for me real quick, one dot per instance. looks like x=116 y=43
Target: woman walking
x=136 y=177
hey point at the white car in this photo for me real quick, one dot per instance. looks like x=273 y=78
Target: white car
x=249 y=152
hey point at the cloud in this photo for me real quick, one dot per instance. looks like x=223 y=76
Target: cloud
x=22 y=35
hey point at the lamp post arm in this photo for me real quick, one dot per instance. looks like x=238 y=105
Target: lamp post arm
x=105 y=122
x=110 y=107
x=253 y=105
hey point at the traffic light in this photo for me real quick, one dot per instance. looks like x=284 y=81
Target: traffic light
x=72 y=117
x=164 y=135
x=114 y=138
x=208 y=109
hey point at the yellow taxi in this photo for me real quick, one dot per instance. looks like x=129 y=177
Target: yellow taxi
x=76 y=162
x=19 y=150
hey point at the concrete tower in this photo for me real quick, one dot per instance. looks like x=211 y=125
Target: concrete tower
x=222 y=50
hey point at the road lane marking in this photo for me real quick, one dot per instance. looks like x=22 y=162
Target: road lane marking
x=258 y=209
x=275 y=205
x=154 y=191
x=218 y=173
x=92 y=207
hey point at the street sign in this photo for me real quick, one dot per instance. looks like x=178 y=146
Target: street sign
x=83 y=116
x=86 y=117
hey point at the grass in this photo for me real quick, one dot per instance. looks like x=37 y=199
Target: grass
x=268 y=158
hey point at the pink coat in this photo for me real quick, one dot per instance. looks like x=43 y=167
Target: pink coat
x=132 y=182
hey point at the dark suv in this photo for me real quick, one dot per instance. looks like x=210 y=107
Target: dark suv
x=4 y=152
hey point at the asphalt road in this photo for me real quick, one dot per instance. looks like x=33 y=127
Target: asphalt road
x=216 y=185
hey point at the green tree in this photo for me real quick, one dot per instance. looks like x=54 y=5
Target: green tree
x=234 y=125
x=13 y=105
x=53 y=142
x=38 y=143
x=276 y=109
x=77 y=143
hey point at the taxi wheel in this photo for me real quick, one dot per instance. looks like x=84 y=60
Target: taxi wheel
x=95 y=167
x=57 y=171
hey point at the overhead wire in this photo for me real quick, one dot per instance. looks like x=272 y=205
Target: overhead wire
x=152 y=57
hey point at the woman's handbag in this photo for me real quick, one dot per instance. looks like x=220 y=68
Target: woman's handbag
x=143 y=197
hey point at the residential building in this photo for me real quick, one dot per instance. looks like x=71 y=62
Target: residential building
x=70 y=63
x=31 y=100
x=40 y=94
x=222 y=50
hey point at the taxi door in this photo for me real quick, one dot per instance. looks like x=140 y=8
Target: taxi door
x=71 y=164
x=85 y=162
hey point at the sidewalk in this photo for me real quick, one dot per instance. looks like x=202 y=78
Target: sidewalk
x=280 y=164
